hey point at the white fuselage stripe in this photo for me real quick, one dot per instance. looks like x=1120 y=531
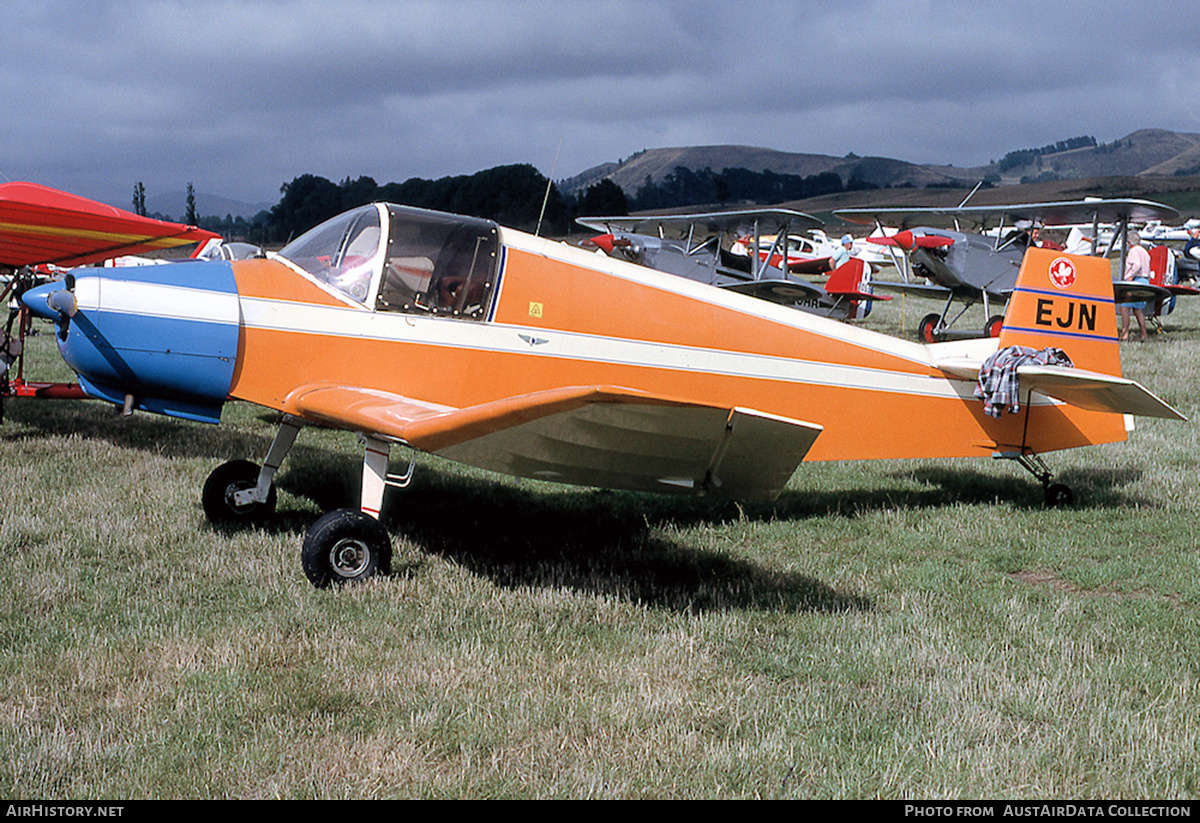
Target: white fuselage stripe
x=305 y=318
x=159 y=300
x=200 y=305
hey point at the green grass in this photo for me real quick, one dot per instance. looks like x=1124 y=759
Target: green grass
x=890 y=629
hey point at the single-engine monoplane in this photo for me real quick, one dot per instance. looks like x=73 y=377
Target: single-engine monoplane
x=454 y=336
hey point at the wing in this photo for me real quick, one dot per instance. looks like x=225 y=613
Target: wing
x=39 y=224
x=785 y=292
x=1077 y=387
x=591 y=435
x=767 y=221
x=1053 y=213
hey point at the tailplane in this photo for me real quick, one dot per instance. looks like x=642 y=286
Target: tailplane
x=852 y=280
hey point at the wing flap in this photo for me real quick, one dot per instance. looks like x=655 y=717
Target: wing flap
x=594 y=436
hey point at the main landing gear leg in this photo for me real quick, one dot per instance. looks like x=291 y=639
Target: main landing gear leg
x=350 y=545
x=1058 y=495
x=241 y=492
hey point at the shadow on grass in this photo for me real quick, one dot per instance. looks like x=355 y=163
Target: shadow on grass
x=94 y=420
x=607 y=543
x=599 y=542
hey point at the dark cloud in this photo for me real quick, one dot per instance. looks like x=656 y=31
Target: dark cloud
x=239 y=97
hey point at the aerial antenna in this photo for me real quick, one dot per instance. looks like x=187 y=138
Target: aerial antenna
x=549 y=182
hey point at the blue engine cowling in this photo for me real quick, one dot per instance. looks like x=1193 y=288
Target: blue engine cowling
x=164 y=338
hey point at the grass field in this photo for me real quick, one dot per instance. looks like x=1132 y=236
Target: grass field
x=897 y=629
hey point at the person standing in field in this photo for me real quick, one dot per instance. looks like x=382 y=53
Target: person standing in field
x=1137 y=270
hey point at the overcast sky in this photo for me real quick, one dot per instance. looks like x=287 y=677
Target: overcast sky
x=240 y=97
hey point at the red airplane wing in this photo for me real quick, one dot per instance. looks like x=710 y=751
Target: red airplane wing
x=39 y=224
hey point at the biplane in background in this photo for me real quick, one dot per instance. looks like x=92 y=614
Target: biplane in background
x=699 y=247
x=534 y=358
x=43 y=232
x=811 y=254
x=980 y=266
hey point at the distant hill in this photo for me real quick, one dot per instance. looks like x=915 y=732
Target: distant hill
x=1149 y=152
x=655 y=164
x=173 y=205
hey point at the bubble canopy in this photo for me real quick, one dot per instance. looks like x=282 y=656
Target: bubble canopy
x=403 y=259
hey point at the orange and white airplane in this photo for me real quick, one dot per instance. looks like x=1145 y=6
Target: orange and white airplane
x=527 y=356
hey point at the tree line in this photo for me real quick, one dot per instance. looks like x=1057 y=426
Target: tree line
x=687 y=187
x=518 y=196
x=1023 y=157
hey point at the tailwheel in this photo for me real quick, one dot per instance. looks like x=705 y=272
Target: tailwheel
x=1059 y=496
x=221 y=499
x=345 y=546
x=928 y=327
x=993 y=326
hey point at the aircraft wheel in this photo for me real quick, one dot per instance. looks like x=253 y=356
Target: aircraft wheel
x=1059 y=496
x=993 y=326
x=219 y=488
x=926 y=328
x=345 y=546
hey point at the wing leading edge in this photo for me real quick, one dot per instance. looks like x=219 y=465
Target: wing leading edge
x=39 y=224
x=589 y=435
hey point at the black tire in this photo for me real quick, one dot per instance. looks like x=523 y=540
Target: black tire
x=217 y=496
x=993 y=325
x=1059 y=496
x=926 y=328
x=345 y=546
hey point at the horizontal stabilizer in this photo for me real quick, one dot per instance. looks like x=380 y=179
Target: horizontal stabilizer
x=855 y=294
x=1077 y=387
x=916 y=289
x=1095 y=391
x=1125 y=291
x=589 y=435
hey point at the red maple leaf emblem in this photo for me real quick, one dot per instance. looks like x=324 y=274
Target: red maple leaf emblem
x=1062 y=273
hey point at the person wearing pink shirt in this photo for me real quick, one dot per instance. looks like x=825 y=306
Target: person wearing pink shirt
x=1137 y=270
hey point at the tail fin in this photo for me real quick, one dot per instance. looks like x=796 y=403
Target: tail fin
x=1065 y=301
x=852 y=280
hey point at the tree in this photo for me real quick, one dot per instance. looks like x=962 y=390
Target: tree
x=139 y=198
x=191 y=218
x=606 y=198
x=358 y=192
x=307 y=201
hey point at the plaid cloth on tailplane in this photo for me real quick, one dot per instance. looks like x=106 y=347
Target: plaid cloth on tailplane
x=998 y=383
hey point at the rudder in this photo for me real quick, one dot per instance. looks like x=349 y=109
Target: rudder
x=1065 y=301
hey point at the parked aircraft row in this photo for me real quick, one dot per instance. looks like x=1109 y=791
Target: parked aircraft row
x=456 y=336
x=936 y=255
